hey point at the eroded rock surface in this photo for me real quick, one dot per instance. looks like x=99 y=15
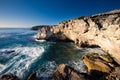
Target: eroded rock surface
x=65 y=72
x=97 y=30
x=101 y=67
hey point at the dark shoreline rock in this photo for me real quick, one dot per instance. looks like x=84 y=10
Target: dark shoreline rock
x=9 y=76
x=99 y=68
x=65 y=72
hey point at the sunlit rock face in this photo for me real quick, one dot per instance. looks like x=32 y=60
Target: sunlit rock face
x=101 y=29
x=65 y=72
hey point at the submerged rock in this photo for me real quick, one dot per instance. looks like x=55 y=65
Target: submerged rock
x=65 y=72
x=9 y=76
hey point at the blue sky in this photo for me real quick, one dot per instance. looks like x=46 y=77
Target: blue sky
x=26 y=13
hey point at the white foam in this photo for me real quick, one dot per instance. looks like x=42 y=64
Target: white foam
x=34 y=36
x=40 y=40
x=48 y=68
x=2 y=66
x=24 y=58
x=78 y=65
x=4 y=35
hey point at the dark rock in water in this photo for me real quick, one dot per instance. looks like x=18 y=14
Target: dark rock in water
x=65 y=72
x=9 y=76
x=32 y=76
x=7 y=51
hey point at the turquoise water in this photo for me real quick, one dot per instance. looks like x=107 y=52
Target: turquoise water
x=30 y=55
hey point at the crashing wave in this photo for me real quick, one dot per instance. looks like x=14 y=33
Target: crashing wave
x=21 y=62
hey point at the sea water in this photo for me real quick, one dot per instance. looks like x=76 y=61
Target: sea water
x=30 y=55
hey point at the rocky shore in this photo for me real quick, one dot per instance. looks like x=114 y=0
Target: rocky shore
x=99 y=67
x=100 y=30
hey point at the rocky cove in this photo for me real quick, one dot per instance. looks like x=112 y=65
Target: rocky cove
x=100 y=30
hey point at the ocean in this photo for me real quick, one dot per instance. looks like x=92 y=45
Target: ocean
x=21 y=54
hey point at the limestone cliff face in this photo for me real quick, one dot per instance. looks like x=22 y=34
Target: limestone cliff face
x=100 y=29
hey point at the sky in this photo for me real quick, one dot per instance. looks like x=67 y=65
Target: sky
x=28 y=13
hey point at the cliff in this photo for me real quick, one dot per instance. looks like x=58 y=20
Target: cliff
x=101 y=30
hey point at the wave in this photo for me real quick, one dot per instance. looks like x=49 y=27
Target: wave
x=27 y=32
x=5 y=35
x=46 y=70
x=21 y=62
x=2 y=66
x=40 y=40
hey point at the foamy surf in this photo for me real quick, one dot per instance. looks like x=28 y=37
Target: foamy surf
x=1 y=66
x=5 y=35
x=20 y=63
x=49 y=67
x=40 y=40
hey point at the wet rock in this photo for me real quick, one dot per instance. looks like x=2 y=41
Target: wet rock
x=32 y=76
x=65 y=72
x=9 y=76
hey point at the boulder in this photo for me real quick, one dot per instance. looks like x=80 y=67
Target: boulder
x=101 y=67
x=93 y=63
x=97 y=67
x=9 y=76
x=65 y=72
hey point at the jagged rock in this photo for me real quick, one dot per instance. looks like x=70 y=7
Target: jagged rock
x=9 y=76
x=106 y=58
x=93 y=63
x=115 y=75
x=65 y=72
x=101 y=67
x=102 y=30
